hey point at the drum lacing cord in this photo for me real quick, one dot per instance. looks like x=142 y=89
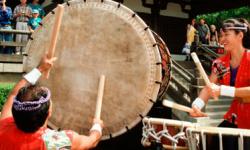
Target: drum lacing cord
x=203 y=137
x=148 y=131
x=164 y=133
x=241 y=142
x=220 y=140
x=193 y=138
x=180 y=135
x=174 y=139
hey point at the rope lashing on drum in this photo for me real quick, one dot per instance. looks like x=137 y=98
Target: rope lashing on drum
x=193 y=138
x=221 y=142
x=149 y=132
x=203 y=137
x=180 y=135
x=241 y=141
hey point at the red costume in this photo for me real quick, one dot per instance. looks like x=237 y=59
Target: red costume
x=242 y=110
x=11 y=138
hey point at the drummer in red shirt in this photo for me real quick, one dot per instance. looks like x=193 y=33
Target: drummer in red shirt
x=232 y=72
x=23 y=121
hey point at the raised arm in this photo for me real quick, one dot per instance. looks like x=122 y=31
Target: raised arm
x=44 y=66
x=82 y=142
x=205 y=94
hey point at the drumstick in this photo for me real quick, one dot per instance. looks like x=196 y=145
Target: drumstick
x=54 y=34
x=176 y=106
x=99 y=97
x=200 y=68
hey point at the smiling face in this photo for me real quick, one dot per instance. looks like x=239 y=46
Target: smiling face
x=231 y=40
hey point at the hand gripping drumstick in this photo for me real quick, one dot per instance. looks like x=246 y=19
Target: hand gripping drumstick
x=170 y=104
x=99 y=97
x=200 y=68
x=55 y=31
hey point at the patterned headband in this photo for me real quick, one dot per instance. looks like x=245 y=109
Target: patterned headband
x=31 y=105
x=231 y=26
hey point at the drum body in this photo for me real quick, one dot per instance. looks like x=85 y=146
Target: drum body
x=165 y=63
x=99 y=37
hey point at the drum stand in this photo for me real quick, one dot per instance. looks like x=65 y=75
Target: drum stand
x=194 y=136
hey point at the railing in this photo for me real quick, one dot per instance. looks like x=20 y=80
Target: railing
x=11 y=67
x=182 y=83
x=13 y=43
x=186 y=83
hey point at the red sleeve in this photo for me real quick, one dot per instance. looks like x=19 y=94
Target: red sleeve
x=7 y=120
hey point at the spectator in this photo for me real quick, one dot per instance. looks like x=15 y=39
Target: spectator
x=36 y=6
x=22 y=13
x=34 y=22
x=204 y=32
x=5 y=16
x=213 y=36
x=190 y=38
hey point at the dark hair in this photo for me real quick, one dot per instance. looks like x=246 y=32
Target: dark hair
x=239 y=25
x=31 y=121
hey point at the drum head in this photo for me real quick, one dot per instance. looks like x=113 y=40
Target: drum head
x=99 y=38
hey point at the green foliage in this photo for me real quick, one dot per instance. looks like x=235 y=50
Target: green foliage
x=218 y=17
x=4 y=91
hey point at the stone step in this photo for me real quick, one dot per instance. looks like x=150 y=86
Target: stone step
x=216 y=115
x=11 y=68
x=216 y=108
x=221 y=101
x=178 y=57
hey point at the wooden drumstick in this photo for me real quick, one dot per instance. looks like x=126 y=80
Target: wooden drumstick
x=55 y=32
x=173 y=105
x=99 y=97
x=200 y=68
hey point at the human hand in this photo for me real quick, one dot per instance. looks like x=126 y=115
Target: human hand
x=197 y=112
x=46 y=64
x=19 y=14
x=27 y=15
x=214 y=90
x=98 y=121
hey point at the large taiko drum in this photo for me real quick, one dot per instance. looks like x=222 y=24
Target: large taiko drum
x=100 y=37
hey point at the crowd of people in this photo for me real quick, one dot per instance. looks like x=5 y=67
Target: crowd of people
x=25 y=114
x=26 y=17
x=207 y=35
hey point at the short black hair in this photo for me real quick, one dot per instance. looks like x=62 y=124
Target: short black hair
x=31 y=121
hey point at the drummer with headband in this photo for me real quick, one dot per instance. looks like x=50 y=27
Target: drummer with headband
x=24 y=117
x=232 y=72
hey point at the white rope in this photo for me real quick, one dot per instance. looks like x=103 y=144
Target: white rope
x=203 y=137
x=241 y=141
x=221 y=142
x=149 y=133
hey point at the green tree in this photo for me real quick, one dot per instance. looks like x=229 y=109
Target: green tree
x=217 y=17
x=4 y=91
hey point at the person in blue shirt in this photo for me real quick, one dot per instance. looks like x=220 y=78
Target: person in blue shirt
x=35 y=21
x=36 y=6
x=5 y=23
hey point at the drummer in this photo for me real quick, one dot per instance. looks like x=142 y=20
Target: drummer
x=233 y=74
x=24 y=118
